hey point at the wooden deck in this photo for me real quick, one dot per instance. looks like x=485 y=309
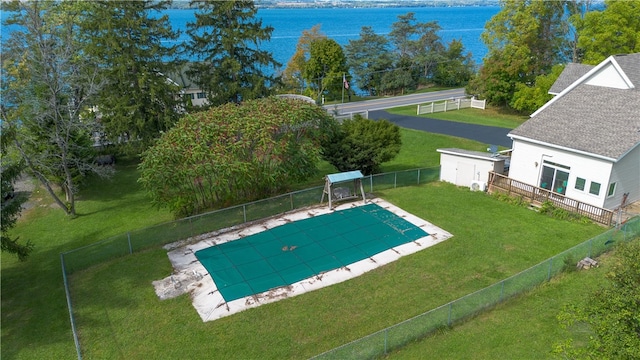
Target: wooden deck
x=537 y=195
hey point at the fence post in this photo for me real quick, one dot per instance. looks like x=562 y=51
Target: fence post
x=244 y=212
x=129 y=241
x=371 y=183
x=385 y=340
x=502 y=291
x=395 y=179
x=70 y=307
x=418 y=113
x=418 y=176
x=550 y=266
x=432 y=108
x=291 y=200
x=449 y=321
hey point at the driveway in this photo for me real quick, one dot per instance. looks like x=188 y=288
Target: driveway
x=489 y=135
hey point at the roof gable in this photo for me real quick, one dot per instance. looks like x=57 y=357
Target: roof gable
x=608 y=73
x=568 y=76
x=589 y=119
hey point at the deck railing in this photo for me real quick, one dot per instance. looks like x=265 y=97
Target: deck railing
x=537 y=195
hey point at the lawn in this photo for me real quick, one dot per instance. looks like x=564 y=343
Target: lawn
x=120 y=317
x=489 y=117
x=523 y=328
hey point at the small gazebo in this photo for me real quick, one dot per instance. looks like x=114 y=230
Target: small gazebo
x=343 y=193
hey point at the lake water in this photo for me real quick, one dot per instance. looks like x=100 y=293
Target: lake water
x=344 y=24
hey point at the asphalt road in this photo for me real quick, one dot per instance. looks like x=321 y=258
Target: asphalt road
x=487 y=134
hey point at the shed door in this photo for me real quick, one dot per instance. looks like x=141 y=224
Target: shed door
x=465 y=174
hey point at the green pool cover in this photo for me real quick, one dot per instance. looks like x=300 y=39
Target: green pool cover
x=302 y=249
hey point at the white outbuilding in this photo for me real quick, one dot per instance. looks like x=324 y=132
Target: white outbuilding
x=470 y=168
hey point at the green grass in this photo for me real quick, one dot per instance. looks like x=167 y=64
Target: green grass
x=525 y=327
x=489 y=117
x=119 y=315
x=35 y=322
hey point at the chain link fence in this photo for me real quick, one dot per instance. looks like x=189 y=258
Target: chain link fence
x=138 y=240
x=380 y=343
x=376 y=344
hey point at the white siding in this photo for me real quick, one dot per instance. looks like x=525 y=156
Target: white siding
x=526 y=166
x=626 y=175
x=462 y=170
x=608 y=76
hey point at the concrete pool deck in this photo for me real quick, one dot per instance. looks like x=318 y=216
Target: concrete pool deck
x=190 y=276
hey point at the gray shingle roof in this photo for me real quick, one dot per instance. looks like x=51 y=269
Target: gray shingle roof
x=594 y=119
x=630 y=64
x=569 y=75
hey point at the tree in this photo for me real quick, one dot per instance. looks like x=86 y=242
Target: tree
x=48 y=87
x=615 y=30
x=11 y=206
x=525 y=39
x=369 y=57
x=611 y=313
x=531 y=98
x=362 y=144
x=456 y=68
x=233 y=153
x=326 y=67
x=138 y=101
x=293 y=75
x=417 y=43
x=399 y=79
x=225 y=39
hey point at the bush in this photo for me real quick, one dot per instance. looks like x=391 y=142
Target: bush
x=362 y=144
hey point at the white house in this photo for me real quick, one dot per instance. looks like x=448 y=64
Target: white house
x=188 y=88
x=585 y=142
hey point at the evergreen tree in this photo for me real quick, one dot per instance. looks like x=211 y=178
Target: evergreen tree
x=456 y=68
x=416 y=44
x=11 y=167
x=225 y=41
x=369 y=57
x=138 y=101
x=362 y=144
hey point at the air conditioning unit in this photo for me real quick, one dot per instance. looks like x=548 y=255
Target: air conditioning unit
x=477 y=185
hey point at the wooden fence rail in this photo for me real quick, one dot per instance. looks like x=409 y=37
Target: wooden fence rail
x=537 y=195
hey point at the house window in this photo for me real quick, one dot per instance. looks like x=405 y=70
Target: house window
x=594 y=188
x=612 y=189
x=202 y=95
x=580 y=182
x=554 y=177
x=192 y=96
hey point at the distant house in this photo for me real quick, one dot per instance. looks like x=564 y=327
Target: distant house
x=585 y=142
x=188 y=88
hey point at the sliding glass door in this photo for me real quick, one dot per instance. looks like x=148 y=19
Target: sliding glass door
x=554 y=177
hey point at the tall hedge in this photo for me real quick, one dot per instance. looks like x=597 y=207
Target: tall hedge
x=234 y=153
